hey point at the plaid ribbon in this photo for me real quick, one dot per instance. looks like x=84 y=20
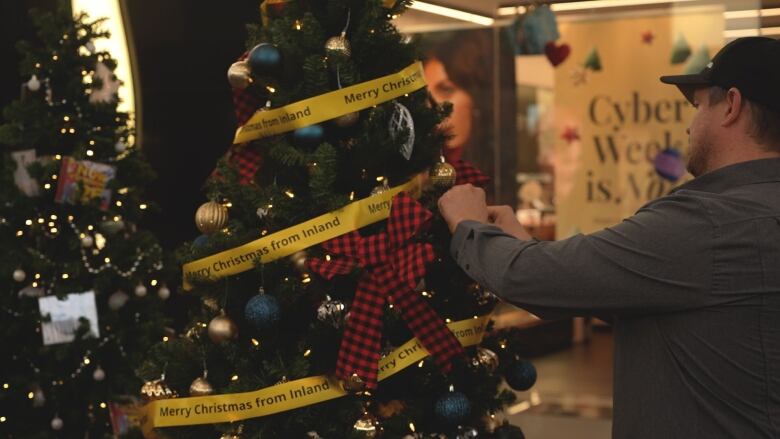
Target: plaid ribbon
x=245 y=158
x=392 y=268
x=465 y=173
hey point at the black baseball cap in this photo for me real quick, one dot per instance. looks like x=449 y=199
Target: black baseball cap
x=751 y=64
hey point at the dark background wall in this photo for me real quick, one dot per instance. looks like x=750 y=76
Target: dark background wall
x=182 y=52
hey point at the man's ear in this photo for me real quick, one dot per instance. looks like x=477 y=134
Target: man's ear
x=734 y=107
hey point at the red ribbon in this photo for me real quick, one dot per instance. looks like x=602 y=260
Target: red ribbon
x=392 y=268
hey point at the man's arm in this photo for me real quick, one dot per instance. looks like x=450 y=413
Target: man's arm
x=657 y=260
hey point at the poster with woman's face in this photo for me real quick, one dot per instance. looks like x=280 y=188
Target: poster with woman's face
x=461 y=68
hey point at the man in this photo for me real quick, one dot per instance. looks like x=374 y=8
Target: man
x=691 y=281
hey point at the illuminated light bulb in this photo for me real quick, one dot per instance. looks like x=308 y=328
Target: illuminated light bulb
x=53 y=217
x=307 y=353
x=66 y=118
x=90 y=152
x=63 y=131
x=103 y=405
x=234 y=378
x=30 y=395
x=19 y=233
x=51 y=224
x=289 y=194
x=41 y=220
x=153 y=282
x=58 y=157
x=86 y=360
x=47 y=186
x=28 y=222
x=55 y=57
x=65 y=275
x=165 y=338
x=255 y=342
x=143 y=206
x=72 y=130
x=92 y=143
x=53 y=230
x=107 y=259
x=118 y=203
x=90 y=228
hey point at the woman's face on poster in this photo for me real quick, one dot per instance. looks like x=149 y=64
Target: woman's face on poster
x=442 y=89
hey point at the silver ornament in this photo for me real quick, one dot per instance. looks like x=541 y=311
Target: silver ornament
x=262 y=212
x=90 y=46
x=332 y=312
x=299 y=261
x=34 y=84
x=99 y=374
x=164 y=293
x=39 y=399
x=56 y=423
x=117 y=300
x=87 y=241
x=368 y=425
x=140 y=290
x=382 y=188
x=485 y=358
x=31 y=291
x=239 y=75
x=401 y=122
x=338 y=45
x=467 y=433
x=19 y=275
x=120 y=146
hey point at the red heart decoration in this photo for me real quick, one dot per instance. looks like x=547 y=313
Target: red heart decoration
x=556 y=53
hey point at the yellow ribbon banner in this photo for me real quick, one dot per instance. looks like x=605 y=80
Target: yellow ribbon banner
x=290 y=395
x=285 y=242
x=332 y=104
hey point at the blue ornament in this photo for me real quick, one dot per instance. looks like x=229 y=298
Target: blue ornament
x=669 y=164
x=200 y=241
x=262 y=311
x=520 y=375
x=264 y=59
x=309 y=136
x=452 y=408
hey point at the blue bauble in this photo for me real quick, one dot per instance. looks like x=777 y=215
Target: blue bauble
x=452 y=408
x=520 y=375
x=265 y=59
x=200 y=241
x=309 y=136
x=262 y=311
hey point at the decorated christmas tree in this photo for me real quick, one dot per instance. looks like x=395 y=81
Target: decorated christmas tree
x=80 y=279
x=330 y=305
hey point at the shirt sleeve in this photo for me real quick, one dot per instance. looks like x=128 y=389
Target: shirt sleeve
x=660 y=259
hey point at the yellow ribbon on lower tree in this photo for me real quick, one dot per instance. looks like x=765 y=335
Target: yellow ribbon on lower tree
x=285 y=242
x=331 y=105
x=291 y=395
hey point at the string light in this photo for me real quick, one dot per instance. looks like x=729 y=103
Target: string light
x=37 y=275
x=28 y=222
x=19 y=233
x=153 y=282
x=307 y=353
x=298 y=24
x=421 y=363
x=2 y=418
x=165 y=338
x=58 y=157
x=234 y=378
x=143 y=206
x=289 y=193
x=47 y=186
x=66 y=118
x=103 y=405
x=86 y=360
x=65 y=275
x=41 y=220
x=53 y=217
x=31 y=395
x=256 y=342
x=6 y=386
x=90 y=152
x=118 y=203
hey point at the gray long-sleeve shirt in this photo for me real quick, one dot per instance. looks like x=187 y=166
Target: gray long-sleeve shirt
x=692 y=282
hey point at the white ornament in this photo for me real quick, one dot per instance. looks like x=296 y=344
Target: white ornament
x=118 y=300
x=19 y=275
x=99 y=374
x=31 y=291
x=164 y=292
x=56 y=423
x=262 y=212
x=39 y=399
x=87 y=241
x=120 y=146
x=34 y=84
x=400 y=122
x=107 y=93
x=90 y=46
x=140 y=290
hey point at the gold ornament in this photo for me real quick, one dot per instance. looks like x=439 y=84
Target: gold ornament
x=368 y=425
x=391 y=408
x=443 y=175
x=239 y=75
x=485 y=358
x=338 y=45
x=347 y=120
x=201 y=387
x=299 y=261
x=222 y=329
x=211 y=217
x=354 y=384
x=157 y=389
x=382 y=188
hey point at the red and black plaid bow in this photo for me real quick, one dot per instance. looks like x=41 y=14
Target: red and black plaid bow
x=393 y=266
x=468 y=173
x=246 y=158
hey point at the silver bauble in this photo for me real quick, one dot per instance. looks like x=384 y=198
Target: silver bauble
x=485 y=358
x=332 y=312
x=19 y=275
x=338 y=46
x=222 y=329
x=34 y=84
x=117 y=300
x=120 y=146
x=368 y=425
x=239 y=75
x=164 y=293
x=140 y=290
x=201 y=387
x=56 y=423
x=99 y=374
x=87 y=241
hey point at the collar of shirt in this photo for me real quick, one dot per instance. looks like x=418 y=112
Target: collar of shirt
x=738 y=174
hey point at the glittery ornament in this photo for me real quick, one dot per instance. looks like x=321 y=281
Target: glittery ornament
x=332 y=312
x=485 y=358
x=262 y=311
x=354 y=384
x=239 y=75
x=19 y=275
x=520 y=375
x=382 y=188
x=157 y=389
x=338 y=46
x=222 y=329
x=117 y=300
x=443 y=175
x=201 y=387
x=211 y=217
x=368 y=425
x=452 y=408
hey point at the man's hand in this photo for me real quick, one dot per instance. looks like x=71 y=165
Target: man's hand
x=461 y=203
x=504 y=217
